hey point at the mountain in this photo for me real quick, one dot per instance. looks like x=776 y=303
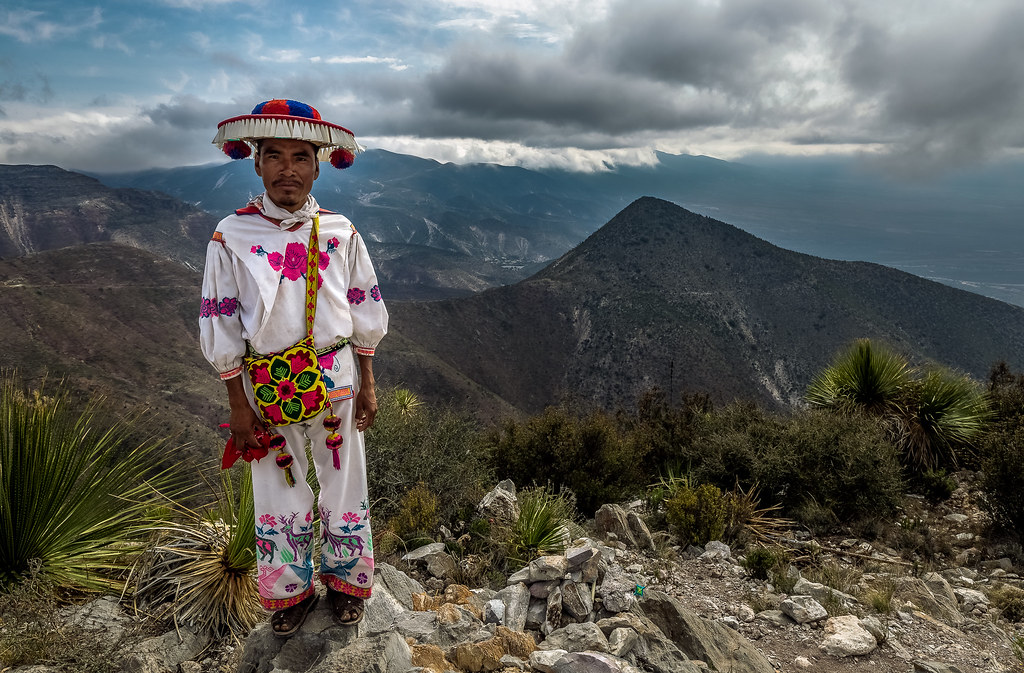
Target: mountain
x=961 y=229
x=110 y=320
x=45 y=207
x=661 y=296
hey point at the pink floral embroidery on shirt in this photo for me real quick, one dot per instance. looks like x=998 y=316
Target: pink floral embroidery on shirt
x=295 y=260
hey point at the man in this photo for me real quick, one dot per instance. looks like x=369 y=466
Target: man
x=255 y=302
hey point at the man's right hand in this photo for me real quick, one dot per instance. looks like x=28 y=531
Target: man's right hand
x=244 y=421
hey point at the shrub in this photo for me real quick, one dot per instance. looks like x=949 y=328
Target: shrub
x=1002 y=450
x=412 y=444
x=935 y=485
x=842 y=466
x=1010 y=602
x=697 y=515
x=866 y=377
x=73 y=493
x=587 y=455
x=760 y=562
x=417 y=515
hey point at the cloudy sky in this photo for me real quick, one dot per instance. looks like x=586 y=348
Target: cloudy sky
x=127 y=84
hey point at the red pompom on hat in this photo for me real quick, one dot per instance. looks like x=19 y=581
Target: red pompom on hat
x=289 y=119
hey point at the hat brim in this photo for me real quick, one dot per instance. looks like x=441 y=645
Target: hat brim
x=251 y=128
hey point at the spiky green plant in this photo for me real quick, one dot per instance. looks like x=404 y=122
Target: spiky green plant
x=74 y=493
x=947 y=412
x=867 y=377
x=204 y=565
x=543 y=526
x=406 y=402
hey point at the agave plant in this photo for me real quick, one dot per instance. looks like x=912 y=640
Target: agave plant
x=866 y=377
x=406 y=402
x=543 y=527
x=75 y=496
x=204 y=566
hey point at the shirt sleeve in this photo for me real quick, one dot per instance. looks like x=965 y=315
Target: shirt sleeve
x=220 y=324
x=369 y=317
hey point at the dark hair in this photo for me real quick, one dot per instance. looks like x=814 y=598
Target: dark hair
x=259 y=145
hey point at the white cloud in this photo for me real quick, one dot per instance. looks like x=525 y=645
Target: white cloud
x=29 y=26
x=393 y=63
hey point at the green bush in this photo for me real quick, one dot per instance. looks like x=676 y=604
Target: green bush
x=542 y=528
x=410 y=444
x=587 y=455
x=842 y=466
x=697 y=515
x=761 y=562
x=1010 y=602
x=1002 y=450
x=417 y=515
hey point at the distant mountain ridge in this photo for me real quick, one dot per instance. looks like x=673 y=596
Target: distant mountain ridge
x=45 y=208
x=962 y=229
x=664 y=297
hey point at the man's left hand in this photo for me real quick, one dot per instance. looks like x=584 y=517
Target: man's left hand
x=366 y=407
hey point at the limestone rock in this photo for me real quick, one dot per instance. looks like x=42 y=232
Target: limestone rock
x=517 y=601
x=577 y=638
x=576 y=600
x=938 y=606
x=614 y=520
x=845 y=637
x=934 y=667
x=639 y=529
x=616 y=591
x=548 y=568
x=430 y=657
x=621 y=641
x=500 y=504
x=164 y=653
x=718 y=646
x=421 y=554
x=803 y=609
x=494 y=612
x=397 y=583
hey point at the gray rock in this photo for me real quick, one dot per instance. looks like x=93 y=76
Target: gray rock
x=845 y=637
x=553 y=612
x=536 y=612
x=776 y=617
x=441 y=565
x=398 y=584
x=383 y=608
x=875 y=627
x=938 y=606
x=721 y=648
x=103 y=614
x=543 y=589
x=577 y=638
x=576 y=600
x=803 y=609
x=164 y=653
x=494 y=611
x=822 y=593
x=621 y=641
x=577 y=556
x=546 y=660
x=716 y=551
x=517 y=602
x=612 y=519
x=639 y=529
x=548 y=568
x=500 y=504
x=508 y=661
x=521 y=575
x=616 y=591
x=416 y=625
x=592 y=662
x=934 y=667
x=422 y=553
x=970 y=598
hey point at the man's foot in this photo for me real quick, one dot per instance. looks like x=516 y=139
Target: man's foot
x=347 y=609
x=286 y=622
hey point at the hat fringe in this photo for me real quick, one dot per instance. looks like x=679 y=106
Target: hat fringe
x=251 y=128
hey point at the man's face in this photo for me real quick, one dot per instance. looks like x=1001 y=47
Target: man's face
x=288 y=169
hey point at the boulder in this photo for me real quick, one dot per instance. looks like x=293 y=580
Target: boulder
x=501 y=504
x=576 y=600
x=803 y=609
x=845 y=637
x=577 y=638
x=721 y=648
x=421 y=554
x=164 y=653
x=517 y=602
x=616 y=591
x=938 y=606
x=548 y=568
x=614 y=520
x=639 y=529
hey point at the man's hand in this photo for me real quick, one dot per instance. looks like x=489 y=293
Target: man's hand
x=366 y=398
x=244 y=420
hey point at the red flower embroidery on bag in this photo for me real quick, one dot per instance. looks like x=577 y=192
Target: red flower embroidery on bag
x=299 y=361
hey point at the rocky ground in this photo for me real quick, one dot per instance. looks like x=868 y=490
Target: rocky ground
x=845 y=604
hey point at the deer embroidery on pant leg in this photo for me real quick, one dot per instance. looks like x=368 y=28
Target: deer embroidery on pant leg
x=301 y=541
x=266 y=547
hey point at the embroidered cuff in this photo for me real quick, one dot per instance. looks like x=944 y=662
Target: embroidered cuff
x=363 y=351
x=231 y=373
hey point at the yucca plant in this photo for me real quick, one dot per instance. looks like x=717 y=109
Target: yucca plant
x=204 y=566
x=75 y=496
x=948 y=412
x=406 y=402
x=867 y=377
x=543 y=527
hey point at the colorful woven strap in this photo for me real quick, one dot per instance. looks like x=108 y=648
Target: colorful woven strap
x=312 y=277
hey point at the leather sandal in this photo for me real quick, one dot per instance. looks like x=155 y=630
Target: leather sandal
x=347 y=609
x=286 y=622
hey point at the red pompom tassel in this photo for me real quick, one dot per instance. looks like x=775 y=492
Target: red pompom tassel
x=342 y=158
x=237 y=149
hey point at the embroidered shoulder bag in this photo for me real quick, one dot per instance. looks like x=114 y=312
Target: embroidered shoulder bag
x=289 y=385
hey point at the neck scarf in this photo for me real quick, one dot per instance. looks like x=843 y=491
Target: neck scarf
x=276 y=212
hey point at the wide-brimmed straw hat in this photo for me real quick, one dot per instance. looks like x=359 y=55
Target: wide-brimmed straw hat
x=290 y=119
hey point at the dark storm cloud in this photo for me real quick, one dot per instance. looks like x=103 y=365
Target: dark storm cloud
x=191 y=113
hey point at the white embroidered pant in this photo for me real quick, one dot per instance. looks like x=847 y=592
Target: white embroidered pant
x=284 y=514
